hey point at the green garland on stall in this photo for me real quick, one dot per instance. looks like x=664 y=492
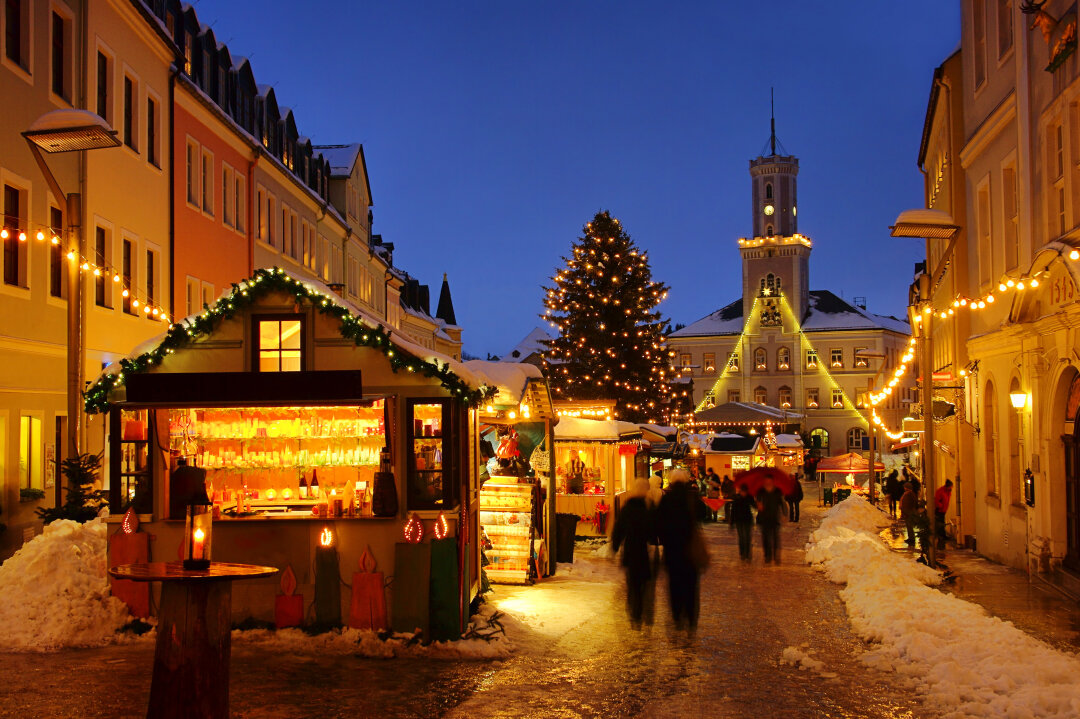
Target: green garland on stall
x=244 y=295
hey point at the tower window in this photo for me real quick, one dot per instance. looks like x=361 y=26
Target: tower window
x=768 y=191
x=768 y=231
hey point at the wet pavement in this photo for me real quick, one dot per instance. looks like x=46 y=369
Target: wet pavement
x=577 y=656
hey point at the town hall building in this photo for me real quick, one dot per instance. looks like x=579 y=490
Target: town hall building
x=807 y=352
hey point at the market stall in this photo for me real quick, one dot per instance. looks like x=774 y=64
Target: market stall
x=595 y=461
x=321 y=438
x=728 y=454
x=516 y=498
x=843 y=470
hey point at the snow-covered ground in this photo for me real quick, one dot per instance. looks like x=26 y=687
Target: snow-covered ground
x=965 y=662
x=54 y=592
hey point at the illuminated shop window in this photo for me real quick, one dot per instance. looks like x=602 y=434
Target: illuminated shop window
x=280 y=343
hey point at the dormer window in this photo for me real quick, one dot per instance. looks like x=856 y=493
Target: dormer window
x=280 y=343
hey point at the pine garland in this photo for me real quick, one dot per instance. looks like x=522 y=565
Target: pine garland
x=243 y=296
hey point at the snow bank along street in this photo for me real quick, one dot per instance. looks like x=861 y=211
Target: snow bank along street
x=54 y=592
x=965 y=662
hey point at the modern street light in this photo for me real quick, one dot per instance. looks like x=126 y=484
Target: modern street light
x=929 y=225
x=871 y=467
x=71 y=131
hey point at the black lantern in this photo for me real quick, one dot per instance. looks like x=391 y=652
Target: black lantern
x=197 y=528
x=1029 y=488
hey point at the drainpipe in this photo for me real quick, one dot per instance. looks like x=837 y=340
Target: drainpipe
x=172 y=191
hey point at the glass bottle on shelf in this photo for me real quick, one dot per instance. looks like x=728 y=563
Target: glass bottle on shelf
x=303 y=491
x=314 y=488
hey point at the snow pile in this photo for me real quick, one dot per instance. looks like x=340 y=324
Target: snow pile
x=54 y=592
x=366 y=643
x=798 y=658
x=965 y=662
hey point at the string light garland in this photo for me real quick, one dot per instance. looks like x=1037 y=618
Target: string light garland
x=244 y=295
x=43 y=234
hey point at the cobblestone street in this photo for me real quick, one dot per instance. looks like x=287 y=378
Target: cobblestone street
x=576 y=656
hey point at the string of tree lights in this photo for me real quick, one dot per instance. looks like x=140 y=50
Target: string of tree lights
x=41 y=233
x=244 y=295
x=611 y=342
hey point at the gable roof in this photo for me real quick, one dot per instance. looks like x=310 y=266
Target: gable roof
x=825 y=312
x=534 y=343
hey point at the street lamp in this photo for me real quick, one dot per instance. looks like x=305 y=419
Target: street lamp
x=71 y=131
x=871 y=467
x=1018 y=399
x=929 y=225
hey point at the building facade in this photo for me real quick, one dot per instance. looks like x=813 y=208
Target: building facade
x=784 y=345
x=1013 y=127
x=211 y=180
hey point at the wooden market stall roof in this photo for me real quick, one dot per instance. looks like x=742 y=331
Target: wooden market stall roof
x=849 y=463
x=473 y=385
x=518 y=386
x=744 y=413
x=726 y=443
x=595 y=430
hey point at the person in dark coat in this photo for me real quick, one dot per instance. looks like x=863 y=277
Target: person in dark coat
x=742 y=516
x=893 y=491
x=794 y=500
x=675 y=522
x=910 y=478
x=909 y=504
x=727 y=491
x=635 y=531
x=770 y=504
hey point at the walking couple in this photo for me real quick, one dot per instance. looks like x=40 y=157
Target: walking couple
x=771 y=506
x=673 y=524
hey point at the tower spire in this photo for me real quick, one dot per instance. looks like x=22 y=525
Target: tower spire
x=772 y=122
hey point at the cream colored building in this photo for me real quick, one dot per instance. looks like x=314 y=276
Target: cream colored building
x=102 y=56
x=784 y=345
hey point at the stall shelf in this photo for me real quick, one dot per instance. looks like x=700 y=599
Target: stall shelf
x=506 y=512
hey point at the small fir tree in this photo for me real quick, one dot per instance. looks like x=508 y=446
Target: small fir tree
x=83 y=502
x=611 y=338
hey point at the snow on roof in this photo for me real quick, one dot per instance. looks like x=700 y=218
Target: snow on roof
x=921 y=216
x=788 y=441
x=342 y=158
x=576 y=428
x=532 y=344
x=67 y=118
x=725 y=321
x=475 y=379
x=511 y=378
x=825 y=312
x=660 y=431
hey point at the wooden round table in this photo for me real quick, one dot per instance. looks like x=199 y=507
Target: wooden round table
x=191 y=658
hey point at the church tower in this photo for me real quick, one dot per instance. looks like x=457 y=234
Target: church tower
x=775 y=257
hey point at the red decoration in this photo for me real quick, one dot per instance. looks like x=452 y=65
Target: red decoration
x=414 y=529
x=288 y=606
x=368 y=607
x=600 y=518
x=130 y=546
x=130 y=523
x=441 y=527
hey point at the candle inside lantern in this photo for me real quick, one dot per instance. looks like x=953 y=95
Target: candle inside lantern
x=197 y=539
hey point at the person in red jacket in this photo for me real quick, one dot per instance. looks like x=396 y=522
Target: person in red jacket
x=942 y=497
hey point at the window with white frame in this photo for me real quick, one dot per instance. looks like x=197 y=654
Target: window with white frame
x=812 y=397
x=60 y=56
x=811 y=359
x=192 y=159
x=207 y=290
x=978 y=25
x=280 y=344
x=352 y=278
x=855 y=437
x=271 y=221
x=686 y=360
x=127 y=272
x=709 y=362
x=761 y=395
x=104 y=86
x=260 y=214
x=861 y=362
x=192 y=295
x=17 y=33
x=152 y=270
x=207 y=179
x=240 y=203
x=153 y=131
x=102 y=258
x=14 y=235
x=836 y=358
x=733 y=395
x=1004 y=26
x=733 y=362
x=837 y=398
x=761 y=359
x=228 y=195
x=785 y=397
x=783 y=358
x=983 y=227
x=31 y=444
x=129 y=129
x=58 y=262
x=324 y=258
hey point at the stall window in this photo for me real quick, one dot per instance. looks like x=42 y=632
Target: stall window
x=432 y=425
x=280 y=344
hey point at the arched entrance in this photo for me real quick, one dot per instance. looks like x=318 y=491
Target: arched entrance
x=1071 y=441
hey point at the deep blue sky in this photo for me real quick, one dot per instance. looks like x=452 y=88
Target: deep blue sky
x=494 y=130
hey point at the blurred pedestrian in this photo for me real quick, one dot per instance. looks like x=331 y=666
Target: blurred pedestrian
x=635 y=531
x=676 y=523
x=656 y=490
x=742 y=516
x=893 y=491
x=794 y=500
x=909 y=503
x=942 y=497
x=727 y=491
x=713 y=491
x=770 y=505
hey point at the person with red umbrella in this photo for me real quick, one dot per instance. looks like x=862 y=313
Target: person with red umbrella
x=769 y=486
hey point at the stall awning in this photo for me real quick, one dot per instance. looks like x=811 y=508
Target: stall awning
x=904 y=443
x=849 y=463
x=595 y=430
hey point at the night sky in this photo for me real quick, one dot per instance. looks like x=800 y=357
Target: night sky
x=493 y=131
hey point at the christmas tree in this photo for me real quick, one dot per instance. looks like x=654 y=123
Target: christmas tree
x=611 y=339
